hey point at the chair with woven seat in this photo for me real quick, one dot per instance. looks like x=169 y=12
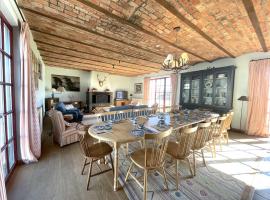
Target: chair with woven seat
x=94 y=151
x=227 y=126
x=218 y=130
x=209 y=140
x=200 y=140
x=151 y=157
x=181 y=149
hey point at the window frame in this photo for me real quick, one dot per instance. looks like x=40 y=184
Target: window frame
x=165 y=78
x=5 y=114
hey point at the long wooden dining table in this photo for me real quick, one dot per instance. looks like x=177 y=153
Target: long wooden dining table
x=121 y=132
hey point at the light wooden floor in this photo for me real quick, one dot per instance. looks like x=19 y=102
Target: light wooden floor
x=57 y=176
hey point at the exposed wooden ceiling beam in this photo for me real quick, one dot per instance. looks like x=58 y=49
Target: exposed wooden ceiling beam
x=255 y=22
x=70 y=53
x=89 y=31
x=175 y=12
x=136 y=66
x=71 y=65
x=136 y=27
x=71 y=59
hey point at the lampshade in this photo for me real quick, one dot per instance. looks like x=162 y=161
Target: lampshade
x=61 y=89
x=243 y=98
x=53 y=90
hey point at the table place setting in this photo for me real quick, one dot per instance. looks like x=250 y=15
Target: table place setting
x=103 y=128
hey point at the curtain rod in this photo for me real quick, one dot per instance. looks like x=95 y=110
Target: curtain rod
x=260 y=59
x=19 y=11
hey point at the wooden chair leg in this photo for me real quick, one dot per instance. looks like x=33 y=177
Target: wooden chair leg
x=176 y=173
x=129 y=169
x=89 y=174
x=165 y=178
x=203 y=157
x=220 y=145
x=112 y=163
x=214 y=145
x=145 y=185
x=127 y=149
x=194 y=164
x=84 y=164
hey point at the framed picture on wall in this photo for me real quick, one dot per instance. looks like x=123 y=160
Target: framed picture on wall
x=138 y=88
x=70 y=83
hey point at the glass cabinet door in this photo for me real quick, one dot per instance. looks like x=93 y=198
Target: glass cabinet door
x=207 y=93
x=186 y=90
x=195 y=90
x=221 y=89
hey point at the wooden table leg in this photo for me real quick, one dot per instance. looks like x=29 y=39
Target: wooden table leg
x=115 y=180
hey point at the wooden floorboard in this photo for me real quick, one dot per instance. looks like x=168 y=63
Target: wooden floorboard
x=57 y=176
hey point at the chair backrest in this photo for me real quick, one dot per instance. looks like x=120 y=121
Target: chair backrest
x=185 y=141
x=155 y=148
x=58 y=122
x=86 y=141
x=141 y=120
x=202 y=135
x=229 y=119
x=213 y=128
x=220 y=126
x=155 y=107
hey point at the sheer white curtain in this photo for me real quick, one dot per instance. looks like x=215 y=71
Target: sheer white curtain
x=3 y=195
x=30 y=137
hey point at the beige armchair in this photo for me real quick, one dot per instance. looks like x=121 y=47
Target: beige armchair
x=64 y=133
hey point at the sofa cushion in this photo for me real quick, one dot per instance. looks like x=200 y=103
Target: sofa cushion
x=61 y=107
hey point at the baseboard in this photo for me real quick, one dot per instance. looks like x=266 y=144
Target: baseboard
x=237 y=130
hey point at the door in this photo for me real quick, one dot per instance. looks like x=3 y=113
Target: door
x=221 y=88
x=185 y=87
x=207 y=89
x=7 y=114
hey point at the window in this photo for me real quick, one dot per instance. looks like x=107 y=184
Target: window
x=160 y=92
x=7 y=114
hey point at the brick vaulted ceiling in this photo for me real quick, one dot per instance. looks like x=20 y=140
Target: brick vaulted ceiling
x=136 y=35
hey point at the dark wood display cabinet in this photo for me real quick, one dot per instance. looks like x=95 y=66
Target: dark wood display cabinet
x=209 y=89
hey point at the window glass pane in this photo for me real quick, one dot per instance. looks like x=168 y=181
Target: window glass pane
x=8 y=99
x=11 y=157
x=6 y=40
x=4 y=163
x=2 y=132
x=1 y=67
x=10 y=126
x=1 y=100
x=7 y=70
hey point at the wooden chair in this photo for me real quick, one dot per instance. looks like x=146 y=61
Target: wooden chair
x=181 y=150
x=228 y=123
x=93 y=152
x=209 y=140
x=151 y=157
x=218 y=130
x=154 y=108
x=200 y=140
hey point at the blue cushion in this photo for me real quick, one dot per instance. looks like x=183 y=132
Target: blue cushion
x=61 y=107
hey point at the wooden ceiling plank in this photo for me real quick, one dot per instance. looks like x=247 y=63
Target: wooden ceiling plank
x=136 y=27
x=88 y=30
x=60 y=57
x=79 y=51
x=76 y=66
x=255 y=22
x=175 y=12
x=55 y=51
x=89 y=45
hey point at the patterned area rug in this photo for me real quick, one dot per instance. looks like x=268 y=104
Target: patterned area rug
x=209 y=183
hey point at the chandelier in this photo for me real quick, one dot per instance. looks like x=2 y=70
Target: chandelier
x=176 y=63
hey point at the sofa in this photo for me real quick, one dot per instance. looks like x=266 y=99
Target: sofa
x=75 y=112
x=127 y=107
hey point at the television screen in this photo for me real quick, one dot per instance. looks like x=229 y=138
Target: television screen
x=121 y=95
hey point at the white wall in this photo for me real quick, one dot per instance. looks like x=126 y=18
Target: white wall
x=87 y=80
x=68 y=95
x=113 y=82
x=240 y=82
